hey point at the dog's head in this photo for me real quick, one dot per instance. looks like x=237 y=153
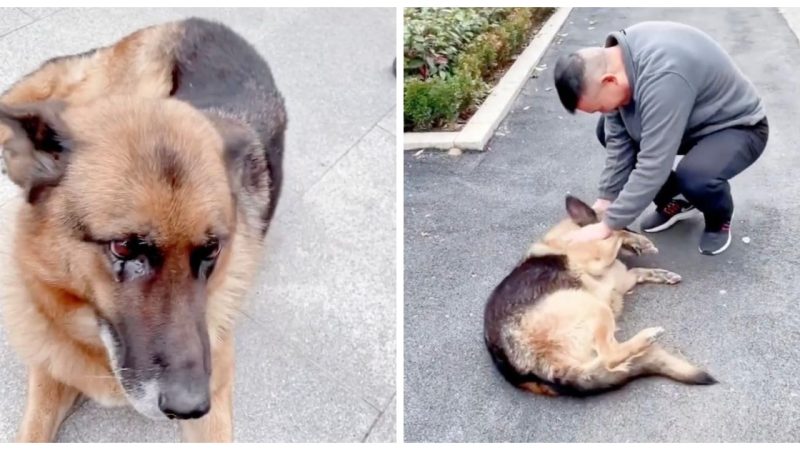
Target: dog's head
x=588 y=257
x=132 y=208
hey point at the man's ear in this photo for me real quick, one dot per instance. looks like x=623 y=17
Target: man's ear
x=608 y=78
x=35 y=149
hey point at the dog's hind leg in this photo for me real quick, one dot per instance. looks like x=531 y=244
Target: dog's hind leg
x=48 y=403
x=614 y=355
x=217 y=424
x=614 y=364
x=657 y=361
x=659 y=276
x=617 y=363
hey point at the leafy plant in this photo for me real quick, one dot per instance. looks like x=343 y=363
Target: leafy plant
x=433 y=37
x=428 y=102
x=451 y=53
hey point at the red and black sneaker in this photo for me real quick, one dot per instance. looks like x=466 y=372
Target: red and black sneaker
x=716 y=239
x=667 y=216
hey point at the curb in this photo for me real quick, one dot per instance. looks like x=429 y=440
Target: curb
x=480 y=127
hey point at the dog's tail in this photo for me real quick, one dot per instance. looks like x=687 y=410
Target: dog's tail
x=657 y=361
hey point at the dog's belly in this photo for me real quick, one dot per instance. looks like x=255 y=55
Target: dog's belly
x=556 y=335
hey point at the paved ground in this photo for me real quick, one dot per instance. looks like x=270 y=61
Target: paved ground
x=316 y=354
x=468 y=220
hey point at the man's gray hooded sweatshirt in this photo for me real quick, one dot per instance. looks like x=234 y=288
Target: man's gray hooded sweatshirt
x=683 y=85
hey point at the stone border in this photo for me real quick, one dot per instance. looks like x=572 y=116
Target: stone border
x=480 y=127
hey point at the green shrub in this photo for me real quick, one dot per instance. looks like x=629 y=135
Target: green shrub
x=516 y=27
x=428 y=103
x=450 y=53
x=433 y=37
x=436 y=102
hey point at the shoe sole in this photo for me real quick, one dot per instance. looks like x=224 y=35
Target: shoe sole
x=724 y=247
x=672 y=221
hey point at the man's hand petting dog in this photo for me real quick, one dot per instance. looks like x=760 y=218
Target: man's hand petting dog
x=601 y=205
x=593 y=232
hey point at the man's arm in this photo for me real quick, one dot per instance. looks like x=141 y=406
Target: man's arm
x=665 y=109
x=620 y=158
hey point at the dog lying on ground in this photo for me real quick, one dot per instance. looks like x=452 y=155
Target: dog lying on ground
x=549 y=325
x=150 y=170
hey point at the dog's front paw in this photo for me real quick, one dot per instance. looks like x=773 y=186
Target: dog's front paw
x=659 y=276
x=648 y=249
x=644 y=246
x=652 y=334
x=668 y=277
x=639 y=244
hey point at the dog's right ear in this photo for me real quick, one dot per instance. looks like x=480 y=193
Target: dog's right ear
x=35 y=146
x=580 y=213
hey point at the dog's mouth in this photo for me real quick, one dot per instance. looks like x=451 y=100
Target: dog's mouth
x=142 y=392
x=163 y=388
x=143 y=396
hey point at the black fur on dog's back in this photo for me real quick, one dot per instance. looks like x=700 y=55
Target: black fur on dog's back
x=533 y=279
x=217 y=71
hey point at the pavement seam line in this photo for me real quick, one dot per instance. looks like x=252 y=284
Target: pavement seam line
x=33 y=21
x=344 y=386
x=393 y=132
x=307 y=358
x=23 y=12
x=354 y=145
x=380 y=415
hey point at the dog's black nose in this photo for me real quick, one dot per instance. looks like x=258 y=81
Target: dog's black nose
x=178 y=402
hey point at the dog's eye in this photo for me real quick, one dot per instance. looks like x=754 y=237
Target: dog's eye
x=203 y=259
x=124 y=249
x=211 y=250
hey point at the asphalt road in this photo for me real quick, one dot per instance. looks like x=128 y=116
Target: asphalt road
x=316 y=349
x=469 y=219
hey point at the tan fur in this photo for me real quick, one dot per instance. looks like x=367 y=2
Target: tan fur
x=570 y=334
x=50 y=275
x=139 y=63
x=49 y=401
x=539 y=389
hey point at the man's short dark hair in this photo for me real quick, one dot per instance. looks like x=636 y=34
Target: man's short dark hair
x=569 y=74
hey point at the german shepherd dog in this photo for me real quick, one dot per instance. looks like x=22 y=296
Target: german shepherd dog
x=550 y=324
x=150 y=171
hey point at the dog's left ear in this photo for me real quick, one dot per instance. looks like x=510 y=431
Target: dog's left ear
x=35 y=153
x=580 y=213
x=244 y=158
